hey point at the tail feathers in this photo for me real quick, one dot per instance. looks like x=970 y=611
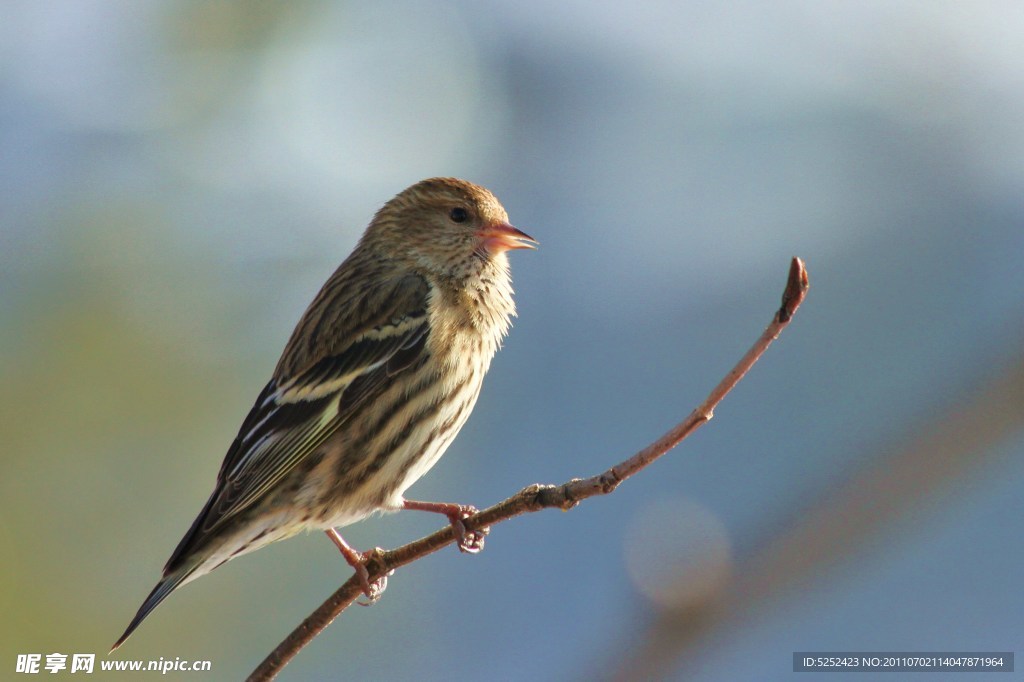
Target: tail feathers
x=159 y=593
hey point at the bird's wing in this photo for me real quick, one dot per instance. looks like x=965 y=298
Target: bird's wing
x=295 y=415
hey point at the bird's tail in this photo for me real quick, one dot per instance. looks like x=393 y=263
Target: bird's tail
x=163 y=588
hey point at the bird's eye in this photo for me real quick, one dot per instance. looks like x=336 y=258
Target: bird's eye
x=458 y=214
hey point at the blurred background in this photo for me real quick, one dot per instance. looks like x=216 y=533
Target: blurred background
x=180 y=177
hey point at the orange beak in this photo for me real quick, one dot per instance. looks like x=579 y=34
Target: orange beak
x=499 y=237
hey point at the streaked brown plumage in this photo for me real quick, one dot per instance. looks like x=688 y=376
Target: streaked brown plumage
x=378 y=377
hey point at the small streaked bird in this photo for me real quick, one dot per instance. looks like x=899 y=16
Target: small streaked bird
x=378 y=377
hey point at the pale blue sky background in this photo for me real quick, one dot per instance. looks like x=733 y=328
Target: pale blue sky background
x=180 y=177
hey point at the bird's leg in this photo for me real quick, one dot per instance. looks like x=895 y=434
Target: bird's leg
x=357 y=560
x=470 y=542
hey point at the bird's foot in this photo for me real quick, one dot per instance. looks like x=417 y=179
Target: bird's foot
x=469 y=541
x=357 y=560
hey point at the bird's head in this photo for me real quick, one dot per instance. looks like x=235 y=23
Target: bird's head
x=446 y=226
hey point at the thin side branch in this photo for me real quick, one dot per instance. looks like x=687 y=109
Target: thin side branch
x=927 y=466
x=537 y=496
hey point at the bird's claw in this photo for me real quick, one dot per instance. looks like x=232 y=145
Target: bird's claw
x=374 y=590
x=470 y=542
x=358 y=561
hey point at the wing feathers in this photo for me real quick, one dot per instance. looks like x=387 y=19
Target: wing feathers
x=295 y=415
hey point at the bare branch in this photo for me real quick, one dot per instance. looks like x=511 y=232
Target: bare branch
x=536 y=497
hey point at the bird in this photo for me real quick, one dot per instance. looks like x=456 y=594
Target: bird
x=378 y=377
